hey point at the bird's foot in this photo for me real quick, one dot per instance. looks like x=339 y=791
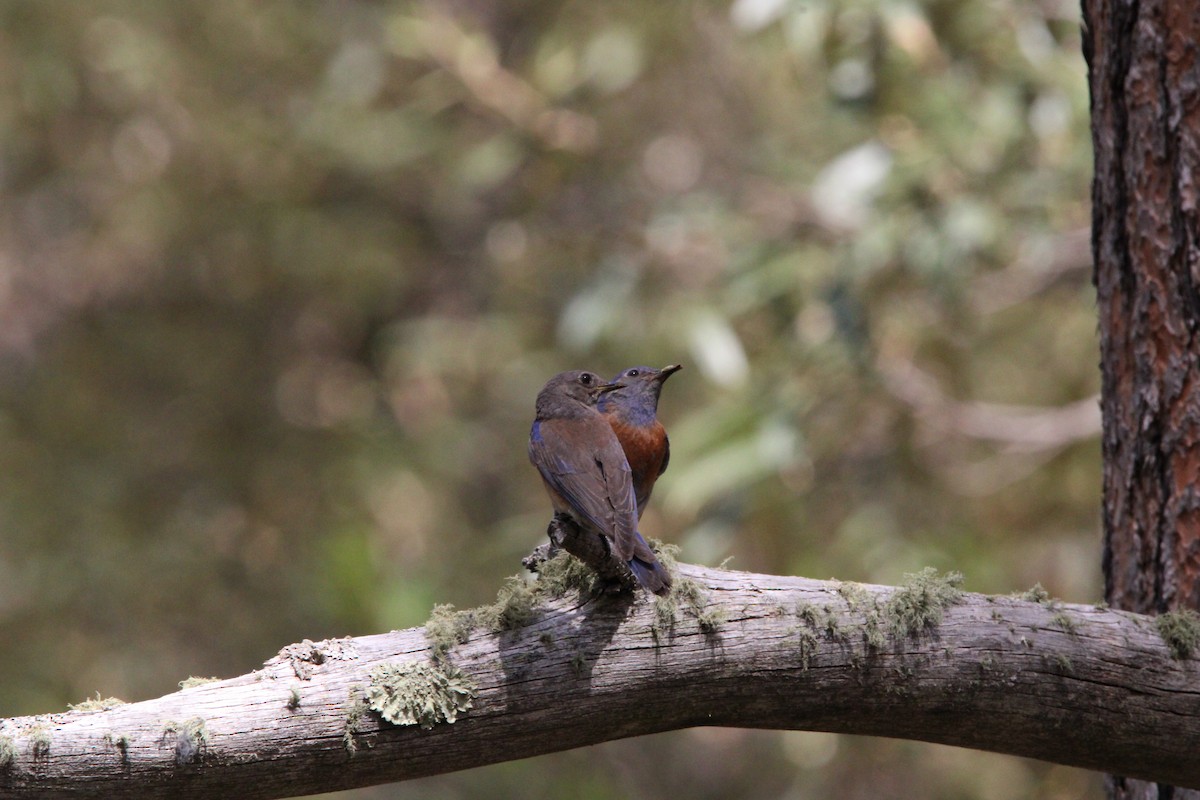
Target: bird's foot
x=613 y=577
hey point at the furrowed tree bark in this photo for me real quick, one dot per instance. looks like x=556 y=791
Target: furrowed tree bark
x=1144 y=76
x=1076 y=685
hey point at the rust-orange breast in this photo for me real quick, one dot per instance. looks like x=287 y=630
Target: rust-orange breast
x=644 y=446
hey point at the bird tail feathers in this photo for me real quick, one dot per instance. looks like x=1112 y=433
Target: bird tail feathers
x=652 y=575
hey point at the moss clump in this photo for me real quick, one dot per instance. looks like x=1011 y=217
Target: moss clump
x=565 y=573
x=808 y=646
x=822 y=619
x=807 y=613
x=711 y=619
x=855 y=594
x=39 y=738
x=813 y=621
x=516 y=604
x=1064 y=621
x=96 y=703
x=695 y=601
x=8 y=753
x=293 y=701
x=920 y=601
x=664 y=616
x=416 y=693
x=668 y=554
x=1035 y=594
x=833 y=628
x=191 y=739
x=191 y=681
x=446 y=628
x=860 y=599
x=872 y=632
x=358 y=707
x=687 y=593
x=515 y=607
x=1180 y=630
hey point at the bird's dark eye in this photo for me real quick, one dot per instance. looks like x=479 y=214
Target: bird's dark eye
x=633 y=373
x=586 y=379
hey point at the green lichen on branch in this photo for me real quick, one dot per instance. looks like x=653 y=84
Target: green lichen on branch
x=417 y=693
x=96 y=703
x=812 y=620
x=668 y=555
x=808 y=646
x=872 y=632
x=807 y=613
x=39 y=741
x=1180 y=630
x=920 y=601
x=191 y=739
x=515 y=606
x=1065 y=621
x=822 y=619
x=192 y=681
x=446 y=628
x=686 y=594
x=356 y=709
x=860 y=599
x=691 y=595
x=856 y=595
x=8 y=753
x=1034 y=594
x=664 y=617
x=565 y=573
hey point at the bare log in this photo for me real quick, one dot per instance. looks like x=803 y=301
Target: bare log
x=1072 y=684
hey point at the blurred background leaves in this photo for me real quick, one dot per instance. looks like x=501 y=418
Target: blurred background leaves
x=279 y=283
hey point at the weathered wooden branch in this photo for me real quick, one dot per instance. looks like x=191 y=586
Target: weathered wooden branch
x=1071 y=684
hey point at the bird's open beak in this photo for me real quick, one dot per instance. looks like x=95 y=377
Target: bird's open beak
x=605 y=388
x=668 y=371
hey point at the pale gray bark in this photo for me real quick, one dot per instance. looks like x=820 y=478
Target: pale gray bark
x=1071 y=684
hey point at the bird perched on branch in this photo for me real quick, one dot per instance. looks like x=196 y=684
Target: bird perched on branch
x=632 y=412
x=589 y=481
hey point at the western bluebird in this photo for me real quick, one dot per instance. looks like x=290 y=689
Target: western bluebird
x=631 y=410
x=589 y=481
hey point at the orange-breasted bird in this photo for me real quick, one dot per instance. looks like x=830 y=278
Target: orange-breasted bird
x=632 y=412
x=588 y=478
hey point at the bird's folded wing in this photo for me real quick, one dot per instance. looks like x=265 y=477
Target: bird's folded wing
x=583 y=461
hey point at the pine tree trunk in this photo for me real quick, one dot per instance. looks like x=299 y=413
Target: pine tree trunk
x=1144 y=75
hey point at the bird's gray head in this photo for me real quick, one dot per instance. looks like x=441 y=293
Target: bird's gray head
x=570 y=393
x=640 y=390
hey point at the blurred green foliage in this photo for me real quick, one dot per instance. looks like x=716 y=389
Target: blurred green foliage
x=279 y=282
